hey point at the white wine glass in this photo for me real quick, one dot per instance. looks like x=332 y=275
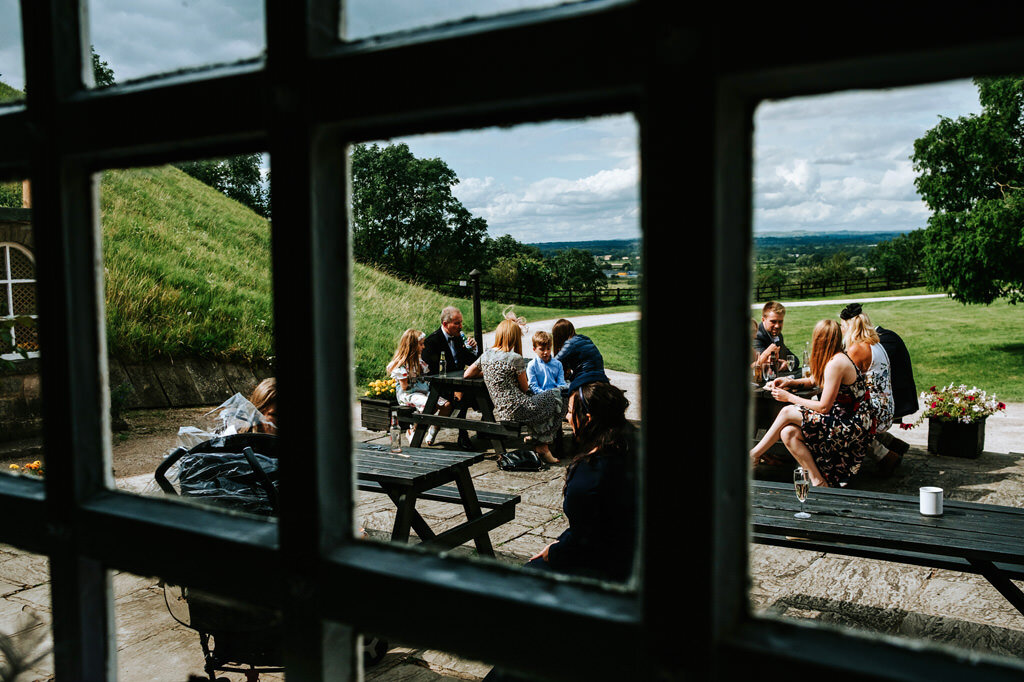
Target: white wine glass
x=790 y=363
x=768 y=371
x=802 y=483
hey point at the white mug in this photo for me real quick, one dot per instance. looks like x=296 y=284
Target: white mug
x=931 y=501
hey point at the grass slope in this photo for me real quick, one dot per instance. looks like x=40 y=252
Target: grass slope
x=188 y=274
x=187 y=269
x=9 y=94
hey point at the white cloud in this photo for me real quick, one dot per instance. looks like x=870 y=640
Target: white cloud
x=843 y=160
x=603 y=205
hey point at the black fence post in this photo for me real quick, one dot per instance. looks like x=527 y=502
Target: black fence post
x=478 y=323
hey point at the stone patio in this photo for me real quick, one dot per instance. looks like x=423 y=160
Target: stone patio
x=892 y=599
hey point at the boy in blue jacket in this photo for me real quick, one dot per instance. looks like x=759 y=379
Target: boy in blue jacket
x=544 y=372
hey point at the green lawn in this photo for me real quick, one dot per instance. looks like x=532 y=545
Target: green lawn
x=948 y=341
x=619 y=345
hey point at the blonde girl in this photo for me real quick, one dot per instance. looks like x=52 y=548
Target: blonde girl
x=407 y=369
x=864 y=347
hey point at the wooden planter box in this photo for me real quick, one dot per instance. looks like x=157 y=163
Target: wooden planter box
x=375 y=413
x=954 y=439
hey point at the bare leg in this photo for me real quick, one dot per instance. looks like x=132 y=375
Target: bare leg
x=793 y=438
x=790 y=414
x=545 y=453
x=786 y=427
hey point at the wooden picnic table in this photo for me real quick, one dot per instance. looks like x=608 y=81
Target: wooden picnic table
x=475 y=395
x=422 y=474
x=969 y=537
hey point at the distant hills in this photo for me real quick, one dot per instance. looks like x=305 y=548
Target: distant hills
x=597 y=247
x=600 y=247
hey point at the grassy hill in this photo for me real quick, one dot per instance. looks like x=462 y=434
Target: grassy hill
x=9 y=94
x=188 y=274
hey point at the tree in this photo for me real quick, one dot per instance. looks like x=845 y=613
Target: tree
x=406 y=218
x=519 y=271
x=507 y=246
x=971 y=176
x=102 y=74
x=576 y=269
x=769 y=276
x=899 y=258
x=237 y=177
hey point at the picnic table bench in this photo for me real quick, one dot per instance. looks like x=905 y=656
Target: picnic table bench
x=474 y=394
x=983 y=539
x=424 y=474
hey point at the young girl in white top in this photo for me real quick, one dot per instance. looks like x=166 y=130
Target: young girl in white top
x=407 y=368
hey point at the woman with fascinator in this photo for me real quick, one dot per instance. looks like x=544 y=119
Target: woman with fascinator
x=504 y=371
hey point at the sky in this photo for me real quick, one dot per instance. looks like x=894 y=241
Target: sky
x=830 y=162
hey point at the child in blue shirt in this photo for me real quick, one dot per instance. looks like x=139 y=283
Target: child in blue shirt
x=544 y=372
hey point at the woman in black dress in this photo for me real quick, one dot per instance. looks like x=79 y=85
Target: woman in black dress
x=600 y=489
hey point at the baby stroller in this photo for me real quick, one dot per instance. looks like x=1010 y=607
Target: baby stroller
x=238 y=471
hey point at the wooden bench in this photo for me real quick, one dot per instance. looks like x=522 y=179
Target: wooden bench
x=983 y=539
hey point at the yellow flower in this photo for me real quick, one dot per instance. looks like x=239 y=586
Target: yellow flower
x=15 y=466
x=37 y=464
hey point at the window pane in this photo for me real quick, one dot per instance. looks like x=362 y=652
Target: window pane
x=12 y=63
x=365 y=18
x=20 y=395
x=25 y=612
x=548 y=217
x=164 y=631
x=856 y=194
x=132 y=41
x=190 y=329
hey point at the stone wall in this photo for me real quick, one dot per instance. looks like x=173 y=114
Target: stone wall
x=166 y=383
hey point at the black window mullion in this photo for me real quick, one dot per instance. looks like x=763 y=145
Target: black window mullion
x=73 y=362
x=316 y=487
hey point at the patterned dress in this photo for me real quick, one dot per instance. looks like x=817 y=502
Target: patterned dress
x=541 y=413
x=880 y=385
x=839 y=438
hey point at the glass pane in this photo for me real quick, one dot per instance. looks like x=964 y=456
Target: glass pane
x=365 y=18
x=25 y=613
x=856 y=196
x=132 y=41
x=163 y=633
x=21 y=415
x=190 y=330
x=547 y=215
x=12 y=63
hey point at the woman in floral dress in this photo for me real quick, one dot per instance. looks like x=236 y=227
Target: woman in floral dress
x=829 y=435
x=504 y=371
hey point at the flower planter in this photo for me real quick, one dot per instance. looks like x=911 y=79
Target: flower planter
x=956 y=439
x=375 y=413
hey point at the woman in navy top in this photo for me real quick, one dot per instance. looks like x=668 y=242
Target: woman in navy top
x=600 y=490
x=580 y=358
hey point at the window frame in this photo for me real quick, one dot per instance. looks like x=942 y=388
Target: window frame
x=586 y=59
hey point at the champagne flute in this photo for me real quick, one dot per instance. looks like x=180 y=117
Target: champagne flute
x=802 y=483
x=790 y=362
x=768 y=371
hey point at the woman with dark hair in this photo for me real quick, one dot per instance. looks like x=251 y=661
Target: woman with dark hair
x=599 y=495
x=580 y=358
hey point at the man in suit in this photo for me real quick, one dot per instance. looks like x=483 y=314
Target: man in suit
x=447 y=340
x=904 y=397
x=768 y=342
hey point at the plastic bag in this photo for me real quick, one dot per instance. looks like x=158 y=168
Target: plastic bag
x=234 y=415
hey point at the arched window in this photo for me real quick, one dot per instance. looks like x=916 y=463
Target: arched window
x=17 y=298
